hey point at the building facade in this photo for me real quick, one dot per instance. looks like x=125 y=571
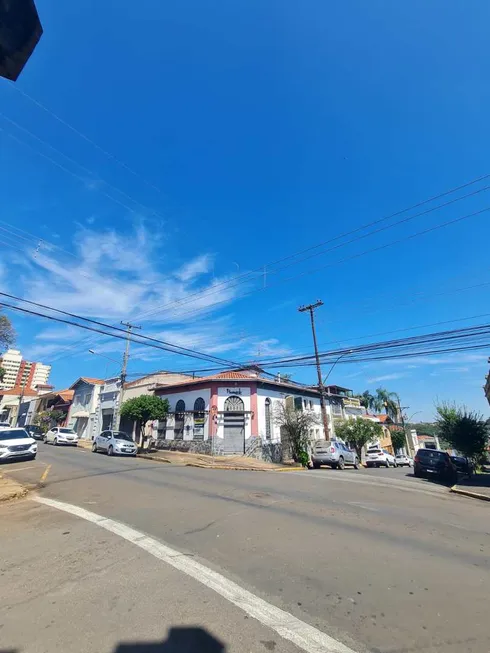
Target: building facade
x=22 y=373
x=83 y=416
x=232 y=413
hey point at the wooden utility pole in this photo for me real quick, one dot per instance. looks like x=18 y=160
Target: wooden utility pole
x=311 y=309
x=124 y=368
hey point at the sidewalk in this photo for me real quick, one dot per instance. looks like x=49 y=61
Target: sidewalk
x=477 y=487
x=183 y=459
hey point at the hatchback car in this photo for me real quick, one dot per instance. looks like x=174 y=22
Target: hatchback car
x=333 y=453
x=377 y=457
x=115 y=443
x=16 y=443
x=402 y=460
x=61 y=435
x=432 y=463
x=34 y=431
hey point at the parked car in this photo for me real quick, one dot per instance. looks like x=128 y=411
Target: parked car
x=34 y=431
x=432 y=463
x=16 y=443
x=463 y=465
x=115 y=443
x=5 y=425
x=377 y=457
x=333 y=453
x=61 y=435
x=402 y=460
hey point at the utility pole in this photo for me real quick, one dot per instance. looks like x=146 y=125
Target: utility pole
x=402 y=419
x=129 y=328
x=21 y=397
x=311 y=308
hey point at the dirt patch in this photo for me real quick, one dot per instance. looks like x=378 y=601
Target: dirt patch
x=10 y=489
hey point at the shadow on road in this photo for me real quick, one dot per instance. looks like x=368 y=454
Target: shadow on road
x=180 y=640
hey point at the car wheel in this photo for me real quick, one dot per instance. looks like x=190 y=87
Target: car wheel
x=94 y=448
x=110 y=451
x=333 y=466
x=316 y=465
x=356 y=463
x=387 y=464
x=341 y=463
x=55 y=442
x=395 y=464
x=45 y=439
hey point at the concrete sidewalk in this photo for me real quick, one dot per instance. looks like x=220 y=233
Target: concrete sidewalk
x=184 y=459
x=476 y=487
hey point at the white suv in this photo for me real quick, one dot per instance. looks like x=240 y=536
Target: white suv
x=15 y=443
x=377 y=457
x=61 y=435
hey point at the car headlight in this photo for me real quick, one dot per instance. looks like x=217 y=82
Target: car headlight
x=3 y=446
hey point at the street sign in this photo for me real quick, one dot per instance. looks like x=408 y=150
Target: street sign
x=20 y=31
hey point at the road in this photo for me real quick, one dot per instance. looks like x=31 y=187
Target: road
x=352 y=561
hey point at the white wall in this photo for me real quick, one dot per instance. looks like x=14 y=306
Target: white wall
x=189 y=397
x=277 y=397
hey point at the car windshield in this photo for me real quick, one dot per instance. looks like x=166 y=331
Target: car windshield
x=120 y=435
x=13 y=434
x=71 y=431
x=33 y=428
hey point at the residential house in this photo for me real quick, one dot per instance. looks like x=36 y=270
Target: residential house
x=342 y=405
x=231 y=413
x=387 y=424
x=55 y=400
x=10 y=402
x=83 y=414
x=110 y=392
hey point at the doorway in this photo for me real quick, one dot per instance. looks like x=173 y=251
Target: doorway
x=234 y=426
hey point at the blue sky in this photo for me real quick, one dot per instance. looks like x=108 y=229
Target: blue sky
x=256 y=129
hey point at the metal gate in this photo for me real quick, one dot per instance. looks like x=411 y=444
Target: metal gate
x=234 y=426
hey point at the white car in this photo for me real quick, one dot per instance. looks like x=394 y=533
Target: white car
x=5 y=425
x=61 y=435
x=115 y=443
x=16 y=443
x=402 y=460
x=377 y=457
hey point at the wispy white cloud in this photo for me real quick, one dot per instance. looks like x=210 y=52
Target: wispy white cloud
x=195 y=268
x=385 y=377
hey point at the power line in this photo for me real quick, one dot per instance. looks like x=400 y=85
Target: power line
x=176 y=348
x=85 y=137
x=245 y=277
x=90 y=172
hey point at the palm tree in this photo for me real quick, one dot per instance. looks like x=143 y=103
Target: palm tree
x=387 y=401
x=366 y=400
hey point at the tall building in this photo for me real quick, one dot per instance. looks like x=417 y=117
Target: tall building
x=19 y=372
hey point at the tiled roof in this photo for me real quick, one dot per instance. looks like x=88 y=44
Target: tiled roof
x=28 y=392
x=66 y=395
x=87 y=379
x=382 y=418
x=232 y=375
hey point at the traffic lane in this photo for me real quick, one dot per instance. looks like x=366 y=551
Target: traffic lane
x=327 y=559
x=70 y=585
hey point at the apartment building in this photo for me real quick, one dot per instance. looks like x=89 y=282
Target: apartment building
x=22 y=373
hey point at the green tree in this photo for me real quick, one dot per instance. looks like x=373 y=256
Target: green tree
x=367 y=400
x=295 y=425
x=359 y=432
x=48 y=418
x=7 y=333
x=387 y=401
x=466 y=431
x=2 y=373
x=398 y=440
x=143 y=409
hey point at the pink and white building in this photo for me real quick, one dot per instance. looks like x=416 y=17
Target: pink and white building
x=231 y=413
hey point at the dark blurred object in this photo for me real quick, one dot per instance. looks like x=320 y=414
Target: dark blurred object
x=20 y=31
x=180 y=640
x=463 y=465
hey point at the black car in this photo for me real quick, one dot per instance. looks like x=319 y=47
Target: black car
x=432 y=463
x=463 y=465
x=34 y=431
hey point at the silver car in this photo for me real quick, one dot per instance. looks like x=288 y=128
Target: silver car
x=333 y=453
x=115 y=443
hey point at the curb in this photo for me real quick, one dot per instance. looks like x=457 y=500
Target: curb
x=18 y=493
x=472 y=495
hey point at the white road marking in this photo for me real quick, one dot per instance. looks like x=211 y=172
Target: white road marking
x=387 y=483
x=286 y=625
x=363 y=506
x=17 y=469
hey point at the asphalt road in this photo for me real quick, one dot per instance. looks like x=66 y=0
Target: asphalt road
x=376 y=559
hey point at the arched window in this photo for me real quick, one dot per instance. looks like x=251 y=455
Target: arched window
x=234 y=405
x=199 y=407
x=268 y=419
x=179 y=420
